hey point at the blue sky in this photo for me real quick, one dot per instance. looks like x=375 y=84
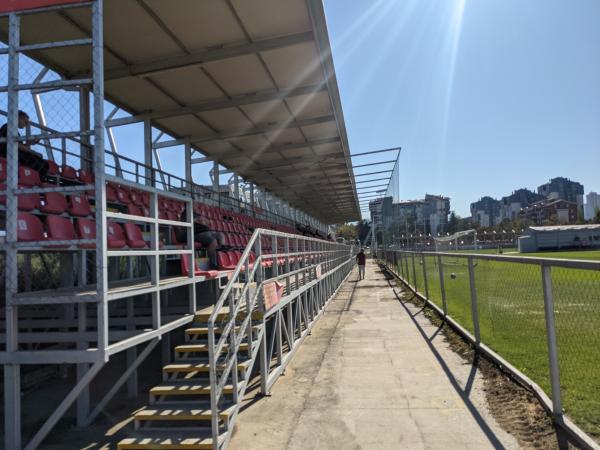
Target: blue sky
x=484 y=96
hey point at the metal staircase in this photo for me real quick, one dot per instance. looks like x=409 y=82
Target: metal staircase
x=274 y=296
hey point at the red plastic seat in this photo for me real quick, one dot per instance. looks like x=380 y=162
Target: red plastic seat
x=68 y=172
x=28 y=202
x=60 y=229
x=29 y=177
x=86 y=229
x=224 y=261
x=145 y=198
x=79 y=206
x=185 y=269
x=29 y=228
x=136 y=197
x=2 y=169
x=134 y=237
x=111 y=193
x=134 y=210
x=233 y=257
x=123 y=195
x=115 y=235
x=52 y=168
x=3 y=196
x=86 y=176
x=54 y=203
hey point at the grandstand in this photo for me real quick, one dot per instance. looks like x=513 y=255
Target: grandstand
x=99 y=248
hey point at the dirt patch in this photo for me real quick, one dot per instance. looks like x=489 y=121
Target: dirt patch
x=515 y=408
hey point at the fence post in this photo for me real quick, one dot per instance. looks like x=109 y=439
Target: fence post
x=414 y=271
x=442 y=286
x=425 y=276
x=474 y=310
x=551 y=337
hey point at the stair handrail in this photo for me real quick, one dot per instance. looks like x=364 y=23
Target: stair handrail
x=217 y=384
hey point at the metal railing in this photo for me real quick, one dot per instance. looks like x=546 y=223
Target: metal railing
x=277 y=291
x=539 y=318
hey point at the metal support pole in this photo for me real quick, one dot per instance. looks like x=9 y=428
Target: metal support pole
x=148 y=172
x=423 y=261
x=474 y=309
x=85 y=151
x=442 y=285
x=99 y=170
x=216 y=182
x=188 y=165
x=12 y=372
x=551 y=339
x=414 y=278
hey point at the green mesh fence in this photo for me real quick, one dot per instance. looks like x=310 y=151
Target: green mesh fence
x=510 y=305
x=577 y=322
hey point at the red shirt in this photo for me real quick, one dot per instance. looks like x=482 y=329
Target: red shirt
x=361 y=259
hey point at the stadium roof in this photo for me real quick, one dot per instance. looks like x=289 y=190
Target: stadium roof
x=251 y=84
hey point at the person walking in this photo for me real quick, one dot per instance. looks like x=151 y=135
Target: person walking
x=361 y=260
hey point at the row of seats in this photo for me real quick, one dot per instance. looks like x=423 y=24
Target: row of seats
x=32 y=228
x=30 y=177
x=236 y=226
x=52 y=203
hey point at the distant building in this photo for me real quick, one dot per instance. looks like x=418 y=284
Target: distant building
x=511 y=205
x=428 y=215
x=550 y=211
x=438 y=210
x=592 y=204
x=486 y=211
x=559 y=237
x=564 y=189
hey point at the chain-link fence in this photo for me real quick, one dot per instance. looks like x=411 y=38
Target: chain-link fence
x=540 y=315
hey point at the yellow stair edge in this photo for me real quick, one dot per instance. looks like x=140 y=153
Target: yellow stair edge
x=188 y=348
x=197 y=367
x=204 y=330
x=152 y=443
x=204 y=314
x=186 y=389
x=174 y=414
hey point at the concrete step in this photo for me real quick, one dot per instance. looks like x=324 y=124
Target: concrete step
x=183 y=412
x=185 y=388
x=168 y=440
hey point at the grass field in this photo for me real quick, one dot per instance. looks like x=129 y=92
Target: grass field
x=511 y=310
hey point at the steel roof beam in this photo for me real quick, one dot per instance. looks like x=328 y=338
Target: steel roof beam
x=247 y=131
x=201 y=57
x=236 y=101
x=374 y=164
x=374 y=179
x=372 y=173
x=392 y=149
x=374 y=186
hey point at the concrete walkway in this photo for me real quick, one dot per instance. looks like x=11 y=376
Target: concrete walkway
x=369 y=378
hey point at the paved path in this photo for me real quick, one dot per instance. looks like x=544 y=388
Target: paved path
x=368 y=378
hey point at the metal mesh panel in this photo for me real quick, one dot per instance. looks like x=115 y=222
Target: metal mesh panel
x=510 y=304
x=433 y=280
x=456 y=283
x=577 y=318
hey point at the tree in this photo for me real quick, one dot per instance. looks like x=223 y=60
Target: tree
x=347 y=231
x=453 y=222
x=597 y=216
x=363 y=229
